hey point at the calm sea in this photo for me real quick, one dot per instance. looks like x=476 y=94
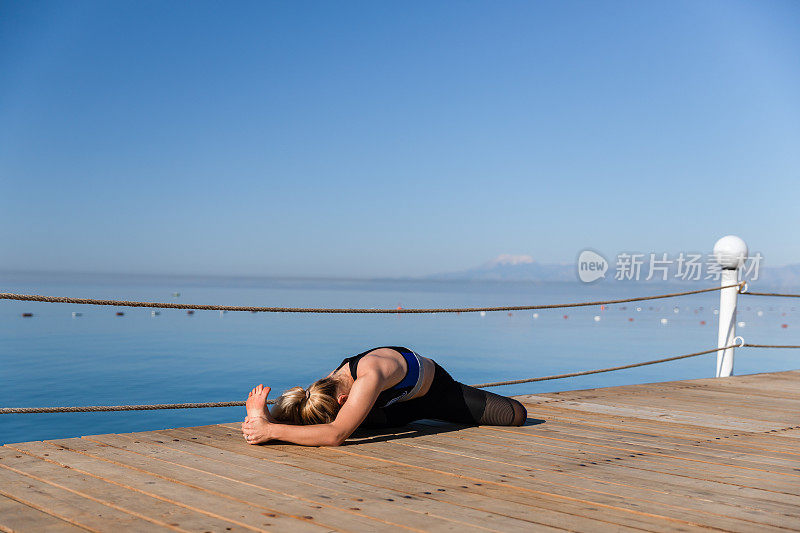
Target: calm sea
x=99 y=358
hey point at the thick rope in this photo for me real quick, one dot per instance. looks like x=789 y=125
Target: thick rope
x=161 y=305
x=98 y=408
x=748 y=345
x=610 y=369
x=782 y=295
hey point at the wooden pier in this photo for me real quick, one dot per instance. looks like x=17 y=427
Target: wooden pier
x=708 y=454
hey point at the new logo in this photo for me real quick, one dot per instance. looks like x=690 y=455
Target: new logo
x=591 y=266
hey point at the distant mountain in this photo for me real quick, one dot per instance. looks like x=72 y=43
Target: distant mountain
x=507 y=267
x=782 y=276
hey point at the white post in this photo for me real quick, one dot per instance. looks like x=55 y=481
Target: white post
x=730 y=253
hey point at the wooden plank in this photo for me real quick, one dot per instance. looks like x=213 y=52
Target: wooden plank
x=427 y=502
x=683 y=401
x=727 y=387
x=508 y=457
x=16 y=516
x=734 y=402
x=273 y=496
x=422 y=514
x=69 y=505
x=605 y=443
x=793 y=433
x=570 y=456
x=668 y=415
x=533 y=486
x=760 y=442
x=140 y=503
x=742 y=476
x=566 y=414
x=558 y=511
x=515 y=475
x=677 y=495
x=561 y=429
x=617 y=460
x=404 y=492
x=757 y=383
x=258 y=518
x=443 y=488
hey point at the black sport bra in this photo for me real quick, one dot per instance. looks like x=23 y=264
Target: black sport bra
x=408 y=387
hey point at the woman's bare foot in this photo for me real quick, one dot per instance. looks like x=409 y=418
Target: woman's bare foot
x=256 y=403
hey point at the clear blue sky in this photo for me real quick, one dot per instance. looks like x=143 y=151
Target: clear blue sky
x=392 y=138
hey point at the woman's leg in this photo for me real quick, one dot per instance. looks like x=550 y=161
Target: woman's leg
x=495 y=410
x=451 y=401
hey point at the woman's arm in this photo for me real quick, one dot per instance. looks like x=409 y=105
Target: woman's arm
x=362 y=397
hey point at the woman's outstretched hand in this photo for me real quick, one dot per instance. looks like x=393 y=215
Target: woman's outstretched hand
x=256 y=425
x=256 y=430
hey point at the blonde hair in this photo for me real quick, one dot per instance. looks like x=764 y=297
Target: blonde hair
x=316 y=405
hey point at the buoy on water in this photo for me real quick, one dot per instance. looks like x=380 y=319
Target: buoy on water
x=535 y=315
x=483 y=313
x=27 y=315
x=155 y=313
x=702 y=322
x=784 y=326
x=630 y=319
x=566 y=317
x=76 y=314
x=597 y=318
x=176 y=295
x=190 y=312
x=664 y=321
x=676 y=310
x=760 y=313
x=741 y=324
x=120 y=313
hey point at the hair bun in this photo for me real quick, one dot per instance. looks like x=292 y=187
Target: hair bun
x=308 y=393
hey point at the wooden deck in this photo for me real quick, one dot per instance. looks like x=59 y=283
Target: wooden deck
x=710 y=454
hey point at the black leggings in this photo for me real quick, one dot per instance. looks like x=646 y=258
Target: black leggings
x=450 y=401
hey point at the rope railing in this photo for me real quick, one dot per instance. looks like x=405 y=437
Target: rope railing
x=742 y=288
x=332 y=310
x=778 y=294
x=601 y=370
x=150 y=407
x=748 y=345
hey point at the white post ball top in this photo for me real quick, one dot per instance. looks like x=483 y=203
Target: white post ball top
x=730 y=252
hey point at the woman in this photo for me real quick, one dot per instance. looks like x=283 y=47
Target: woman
x=384 y=387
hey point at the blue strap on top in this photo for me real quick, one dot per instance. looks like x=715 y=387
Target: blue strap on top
x=413 y=371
